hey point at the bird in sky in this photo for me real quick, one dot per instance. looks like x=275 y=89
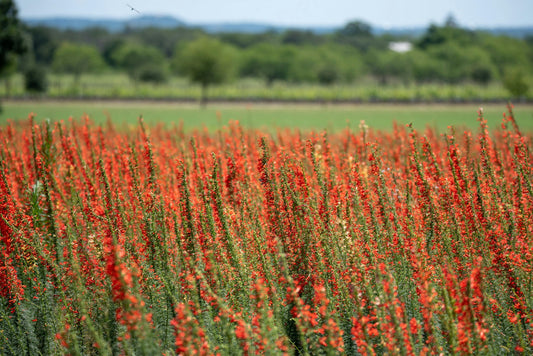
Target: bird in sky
x=132 y=8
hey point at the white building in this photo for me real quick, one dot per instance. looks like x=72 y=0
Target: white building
x=400 y=47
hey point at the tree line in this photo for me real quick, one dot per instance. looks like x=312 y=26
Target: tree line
x=445 y=53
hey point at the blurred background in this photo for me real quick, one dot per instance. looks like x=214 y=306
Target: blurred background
x=298 y=51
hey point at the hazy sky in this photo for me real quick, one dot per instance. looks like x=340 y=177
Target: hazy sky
x=470 y=13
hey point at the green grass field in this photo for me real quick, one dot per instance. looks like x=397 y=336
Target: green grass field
x=270 y=116
x=112 y=85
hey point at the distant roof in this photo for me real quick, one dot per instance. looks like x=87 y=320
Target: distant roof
x=400 y=47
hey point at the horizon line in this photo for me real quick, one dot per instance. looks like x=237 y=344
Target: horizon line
x=262 y=22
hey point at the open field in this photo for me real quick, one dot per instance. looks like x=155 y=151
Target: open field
x=270 y=116
x=152 y=240
x=116 y=85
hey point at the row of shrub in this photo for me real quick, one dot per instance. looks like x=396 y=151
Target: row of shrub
x=443 y=54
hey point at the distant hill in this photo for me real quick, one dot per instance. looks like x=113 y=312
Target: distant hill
x=112 y=25
x=116 y=25
x=251 y=27
x=518 y=32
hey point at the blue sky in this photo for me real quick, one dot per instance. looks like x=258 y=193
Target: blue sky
x=405 y=13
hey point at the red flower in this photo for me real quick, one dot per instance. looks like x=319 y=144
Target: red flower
x=240 y=330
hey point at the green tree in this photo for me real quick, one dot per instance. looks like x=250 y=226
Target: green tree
x=359 y=35
x=141 y=62
x=165 y=39
x=301 y=37
x=387 y=65
x=326 y=64
x=456 y=62
x=11 y=36
x=425 y=68
x=77 y=59
x=109 y=50
x=515 y=82
x=356 y=29
x=304 y=65
x=438 y=35
x=507 y=52
x=12 y=43
x=206 y=61
x=268 y=61
x=480 y=66
x=246 y=40
x=9 y=69
x=35 y=80
x=44 y=42
x=451 y=63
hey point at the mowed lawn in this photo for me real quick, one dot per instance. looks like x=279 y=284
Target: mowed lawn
x=270 y=116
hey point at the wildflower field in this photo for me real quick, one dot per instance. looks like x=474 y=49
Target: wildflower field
x=155 y=240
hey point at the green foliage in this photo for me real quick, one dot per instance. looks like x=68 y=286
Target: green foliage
x=108 y=52
x=44 y=43
x=10 y=66
x=506 y=52
x=303 y=66
x=328 y=74
x=11 y=36
x=482 y=69
x=363 y=89
x=206 y=61
x=12 y=41
x=35 y=80
x=359 y=34
x=141 y=62
x=93 y=36
x=355 y=29
x=389 y=65
x=152 y=73
x=437 y=35
x=245 y=40
x=166 y=40
x=301 y=37
x=354 y=54
x=461 y=63
x=77 y=59
x=515 y=82
x=326 y=64
x=268 y=61
x=460 y=55
x=425 y=68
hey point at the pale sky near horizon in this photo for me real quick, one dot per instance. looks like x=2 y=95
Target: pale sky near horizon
x=299 y=13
